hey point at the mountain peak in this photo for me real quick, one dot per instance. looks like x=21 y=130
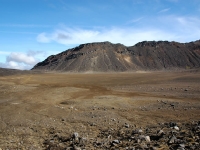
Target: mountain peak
x=109 y=57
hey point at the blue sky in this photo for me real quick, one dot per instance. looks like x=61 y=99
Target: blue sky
x=31 y=30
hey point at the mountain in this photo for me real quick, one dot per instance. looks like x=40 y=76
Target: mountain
x=108 y=57
x=7 y=72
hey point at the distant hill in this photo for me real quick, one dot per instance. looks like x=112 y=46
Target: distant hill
x=108 y=57
x=8 y=72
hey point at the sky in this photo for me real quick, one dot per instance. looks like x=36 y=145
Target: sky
x=32 y=30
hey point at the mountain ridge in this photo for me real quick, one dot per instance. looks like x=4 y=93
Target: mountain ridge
x=109 y=57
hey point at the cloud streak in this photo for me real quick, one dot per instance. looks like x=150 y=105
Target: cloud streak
x=116 y=35
x=171 y=28
x=135 y=20
x=164 y=10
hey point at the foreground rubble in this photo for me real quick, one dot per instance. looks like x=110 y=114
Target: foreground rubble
x=173 y=136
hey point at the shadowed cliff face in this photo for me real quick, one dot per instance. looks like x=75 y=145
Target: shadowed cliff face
x=108 y=57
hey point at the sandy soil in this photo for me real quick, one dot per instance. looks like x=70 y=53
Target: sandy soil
x=35 y=107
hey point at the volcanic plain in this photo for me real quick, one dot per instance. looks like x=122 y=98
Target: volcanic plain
x=99 y=110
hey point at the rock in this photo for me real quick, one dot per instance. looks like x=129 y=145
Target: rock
x=160 y=132
x=109 y=137
x=75 y=136
x=176 y=128
x=126 y=125
x=172 y=139
x=181 y=148
x=172 y=124
x=131 y=148
x=141 y=137
x=182 y=145
x=144 y=146
x=138 y=131
x=62 y=145
x=115 y=141
x=147 y=138
x=184 y=136
x=76 y=148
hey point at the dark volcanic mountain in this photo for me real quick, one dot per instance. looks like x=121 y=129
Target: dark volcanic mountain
x=105 y=57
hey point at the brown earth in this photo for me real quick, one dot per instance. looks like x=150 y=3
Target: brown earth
x=35 y=108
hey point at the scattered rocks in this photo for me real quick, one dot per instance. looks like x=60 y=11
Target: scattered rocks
x=162 y=136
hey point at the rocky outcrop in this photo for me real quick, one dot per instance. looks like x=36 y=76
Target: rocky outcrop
x=108 y=57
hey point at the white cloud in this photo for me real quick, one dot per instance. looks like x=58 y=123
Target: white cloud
x=186 y=27
x=171 y=28
x=127 y=36
x=21 y=58
x=15 y=65
x=42 y=37
x=22 y=61
x=135 y=20
x=164 y=10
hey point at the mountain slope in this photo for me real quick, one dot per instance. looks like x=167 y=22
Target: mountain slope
x=105 y=57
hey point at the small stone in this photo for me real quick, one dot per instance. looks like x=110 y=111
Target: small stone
x=141 y=137
x=172 y=140
x=176 y=128
x=140 y=131
x=182 y=145
x=115 y=141
x=160 y=132
x=181 y=148
x=138 y=140
x=75 y=136
x=126 y=125
x=76 y=148
x=147 y=138
x=144 y=146
x=51 y=141
x=172 y=124
x=62 y=145
x=109 y=137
